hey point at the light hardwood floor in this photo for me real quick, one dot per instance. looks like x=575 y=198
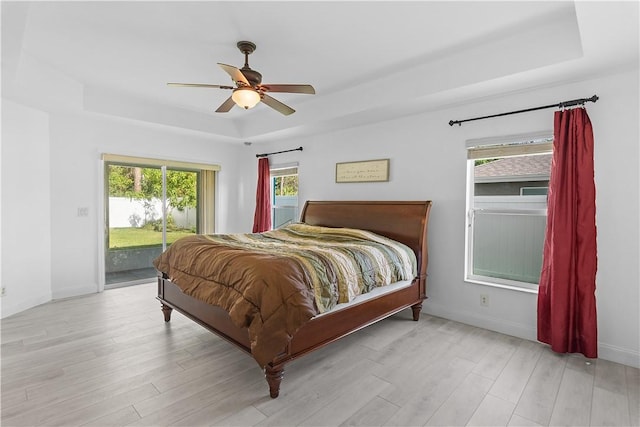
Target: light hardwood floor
x=110 y=359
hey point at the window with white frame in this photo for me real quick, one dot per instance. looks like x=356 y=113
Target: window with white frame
x=284 y=194
x=507 y=182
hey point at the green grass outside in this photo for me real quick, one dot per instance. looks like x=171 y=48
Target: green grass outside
x=130 y=237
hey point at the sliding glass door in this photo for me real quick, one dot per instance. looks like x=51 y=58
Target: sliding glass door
x=148 y=207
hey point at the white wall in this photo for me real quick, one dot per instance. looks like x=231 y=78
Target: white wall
x=77 y=142
x=428 y=161
x=53 y=160
x=26 y=229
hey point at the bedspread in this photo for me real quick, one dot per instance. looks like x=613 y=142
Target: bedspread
x=274 y=282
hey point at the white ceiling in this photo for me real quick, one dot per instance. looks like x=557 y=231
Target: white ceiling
x=368 y=61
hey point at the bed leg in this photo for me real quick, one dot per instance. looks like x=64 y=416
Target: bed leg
x=166 y=311
x=417 y=308
x=274 y=376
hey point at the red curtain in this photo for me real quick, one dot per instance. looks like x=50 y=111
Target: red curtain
x=566 y=295
x=262 y=216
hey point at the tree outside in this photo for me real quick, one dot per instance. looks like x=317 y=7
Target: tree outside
x=285 y=185
x=145 y=184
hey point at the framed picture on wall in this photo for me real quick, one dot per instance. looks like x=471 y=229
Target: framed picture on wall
x=363 y=171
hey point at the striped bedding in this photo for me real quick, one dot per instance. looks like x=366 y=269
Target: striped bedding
x=274 y=282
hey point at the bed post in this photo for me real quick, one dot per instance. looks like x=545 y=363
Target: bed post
x=416 y=309
x=274 y=376
x=166 y=311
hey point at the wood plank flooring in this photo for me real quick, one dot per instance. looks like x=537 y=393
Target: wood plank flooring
x=109 y=359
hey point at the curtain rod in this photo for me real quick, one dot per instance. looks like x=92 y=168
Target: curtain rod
x=564 y=104
x=278 y=152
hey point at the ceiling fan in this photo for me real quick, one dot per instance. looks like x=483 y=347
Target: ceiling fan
x=249 y=88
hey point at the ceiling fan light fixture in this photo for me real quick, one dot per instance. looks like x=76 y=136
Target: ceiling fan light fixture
x=245 y=97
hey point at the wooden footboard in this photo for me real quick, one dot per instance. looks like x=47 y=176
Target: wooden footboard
x=315 y=334
x=403 y=221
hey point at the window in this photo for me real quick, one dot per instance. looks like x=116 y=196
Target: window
x=507 y=180
x=284 y=192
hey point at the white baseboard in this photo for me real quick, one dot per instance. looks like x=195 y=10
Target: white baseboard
x=606 y=351
x=618 y=355
x=75 y=292
x=486 y=322
x=9 y=309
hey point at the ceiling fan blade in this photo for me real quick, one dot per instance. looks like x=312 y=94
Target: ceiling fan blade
x=288 y=88
x=226 y=106
x=199 y=85
x=235 y=73
x=277 y=105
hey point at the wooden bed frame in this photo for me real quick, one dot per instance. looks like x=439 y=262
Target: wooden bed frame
x=405 y=222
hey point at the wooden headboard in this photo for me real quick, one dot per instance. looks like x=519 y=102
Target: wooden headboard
x=404 y=221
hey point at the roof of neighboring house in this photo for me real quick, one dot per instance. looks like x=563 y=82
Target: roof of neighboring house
x=519 y=166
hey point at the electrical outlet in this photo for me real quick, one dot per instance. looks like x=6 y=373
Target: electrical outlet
x=484 y=300
x=3 y=291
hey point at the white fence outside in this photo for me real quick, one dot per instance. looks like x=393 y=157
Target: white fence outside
x=508 y=236
x=285 y=210
x=125 y=212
